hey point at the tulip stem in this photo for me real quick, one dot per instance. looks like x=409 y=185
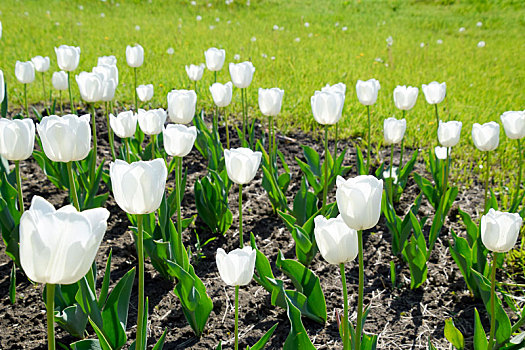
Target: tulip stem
x=215 y=75
x=241 y=240
x=19 y=187
x=325 y=189
x=336 y=136
x=243 y=117
x=50 y=308
x=516 y=194
x=390 y=176
x=136 y=95
x=487 y=173
x=94 y=127
x=25 y=98
x=227 y=131
x=236 y=317
x=270 y=150
x=345 y=307
x=128 y=150
x=216 y=123
x=402 y=147
x=445 y=172
x=110 y=134
x=60 y=101
x=153 y=140
x=70 y=95
x=368 y=151
x=72 y=186
x=437 y=121
x=178 y=182
x=360 y=295
x=140 y=312
x=45 y=97
x=492 y=301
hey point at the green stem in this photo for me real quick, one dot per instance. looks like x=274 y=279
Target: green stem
x=492 y=302
x=136 y=95
x=128 y=150
x=445 y=173
x=19 y=187
x=95 y=147
x=72 y=186
x=241 y=239
x=369 y=146
x=336 y=137
x=45 y=97
x=153 y=140
x=325 y=188
x=60 y=100
x=346 y=335
x=215 y=74
x=402 y=147
x=178 y=184
x=140 y=312
x=216 y=121
x=70 y=95
x=25 y=100
x=360 y=295
x=390 y=177
x=270 y=145
x=50 y=307
x=236 y=317
x=227 y=131
x=195 y=88
x=274 y=144
x=487 y=173
x=437 y=122
x=110 y=134
x=518 y=184
x=243 y=117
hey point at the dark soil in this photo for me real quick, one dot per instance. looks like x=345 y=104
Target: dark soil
x=402 y=318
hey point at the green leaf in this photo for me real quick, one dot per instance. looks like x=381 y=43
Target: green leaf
x=86 y=344
x=265 y=338
x=453 y=335
x=480 y=338
x=297 y=338
x=105 y=282
x=103 y=342
x=12 y=284
x=160 y=343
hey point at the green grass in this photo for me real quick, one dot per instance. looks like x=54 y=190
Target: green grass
x=482 y=82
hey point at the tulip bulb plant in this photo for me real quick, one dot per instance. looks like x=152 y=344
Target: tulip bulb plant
x=514 y=125
x=435 y=93
x=41 y=65
x=270 y=102
x=236 y=269
x=138 y=189
x=58 y=247
x=124 y=125
x=241 y=165
x=151 y=123
x=135 y=59
x=367 y=95
x=241 y=76
x=405 y=98
x=222 y=97
x=25 y=73
x=214 y=60
x=60 y=83
x=394 y=131
x=67 y=60
x=195 y=72
x=340 y=88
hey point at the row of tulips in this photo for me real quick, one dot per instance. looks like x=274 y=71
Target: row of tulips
x=138 y=187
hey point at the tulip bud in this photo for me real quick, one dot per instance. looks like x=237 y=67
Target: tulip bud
x=107 y=60
x=514 y=124
x=135 y=56
x=59 y=246
x=41 y=63
x=2 y=86
x=367 y=91
x=90 y=86
x=25 y=72
x=441 y=152
x=405 y=97
x=59 y=80
x=138 y=187
x=242 y=74
x=499 y=230
x=486 y=136
x=327 y=106
x=221 y=93
x=107 y=72
x=17 y=138
x=270 y=101
x=434 y=92
x=145 y=92
x=179 y=139
x=214 y=59
x=67 y=57
x=181 y=105
x=336 y=241
x=449 y=133
x=124 y=124
x=394 y=130
x=151 y=122
x=66 y=138
x=195 y=71
x=339 y=87
x=241 y=164
x=359 y=201
x=237 y=267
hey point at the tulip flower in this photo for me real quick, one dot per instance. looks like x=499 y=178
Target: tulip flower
x=359 y=204
x=441 y=152
x=222 y=97
x=60 y=83
x=514 y=125
x=67 y=59
x=59 y=247
x=25 y=73
x=241 y=76
x=107 y=72
x=236 y=269
x=195 y=71
x=214 y=60
x=499 y=233
x=341 y=88
x=135 y=58
x=338 y=244
x=435 y=93
x=109 y=75
x=151 y=123
x=145 y=92
x=17 y=140
x=449 y=133
x=394 y=131
x=327 y=108
x=241 y=165
x=486 y=139
x=107 y=60
x=367 y=95
x=124 y=125
x=41 y=65
x=181 y=106
x=270 y=102
x=138 y=188
x=2 y=86
x=405 y=97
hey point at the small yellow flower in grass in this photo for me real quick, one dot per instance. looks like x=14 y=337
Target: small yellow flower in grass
x=106 y=38
x=361 y=54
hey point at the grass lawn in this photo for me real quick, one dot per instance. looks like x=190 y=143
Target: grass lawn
x=316 y=42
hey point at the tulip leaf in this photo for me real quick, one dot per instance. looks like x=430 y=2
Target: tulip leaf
x=160 y=343
x=369 y=342
x=453 y=335
x=12 y=284
x=263 y=268
x=297 y=338
x=361 y=167
x=211 y=200
x=73 y=320
x=105 y=281
x=503 y=327
x=264 y=339
x=402 y=177
x=480 y=338
x=86 y=344
x=87 y=299
x=103 y=342
x=3 y=107
x=304 y=204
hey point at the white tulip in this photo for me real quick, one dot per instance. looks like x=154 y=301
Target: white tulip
x=242 y=74
x=367 y=91
x=499 y=230
x=124 y=124
x=449 y=133
x=151 y=122
x=405 y=97
x=107 y=71
x=2 y=86
x=237 y=267
x=25 y=72
x=179 y=139
x=41 y=63
x=145 y=92
x=59 y=80
x=270 y=101
x=195 y=71
x=107 y=60
x=67 y=57
x=242 y=164
x=91 y=86
x=135 y=56
x=181 y=106
x=486 y=136
x=221 y=93
x=17 y=138
x=214 y=59
x=327 y=106
x=394 y=130
x=336 y=241
x=441 y=152
x=434 y=92
x=339 y=87
x=514 y=124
